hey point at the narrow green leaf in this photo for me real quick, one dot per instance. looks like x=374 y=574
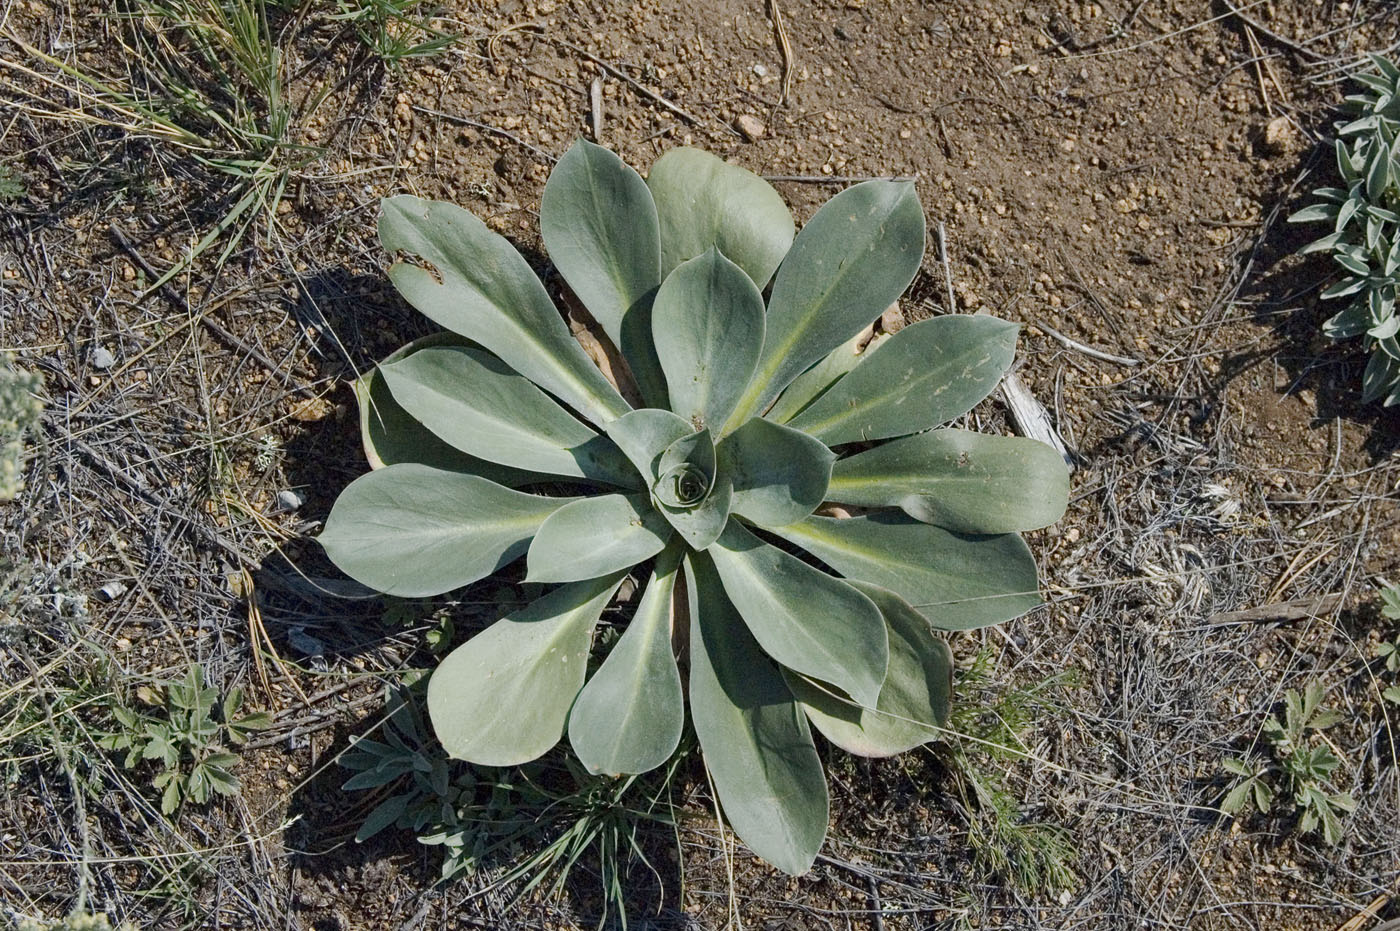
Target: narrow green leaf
x=850 y=262
x=703 y=202
x=415 y=531
x=779 y=474
x=757 y=745
x=958 y=582
x=805 y=619
x=1314 y=214
x=501 y=698
x=707 y=324
x=389 y=434
x=480 y=287
x=473 y=401
x=596 y=536
x=599 y=224
x=913 y=702
x=628 y=718
x=964 y=481
x=814 y=382
x=383 y=816
x=927 y=374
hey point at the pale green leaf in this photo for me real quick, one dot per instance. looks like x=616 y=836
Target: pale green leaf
x=389 y=434
x=629 y=716
x=414 y=531
x=850 y=262
x=956 y=581
x=964 y=481
x=644 y=435
x=913 y=702
x=926 y=375
x=803 y=618
x=501 y=698
x=690 y=491
x=473 y=401
x=596 y=536
x=814 y=382
x=756 y=741
x=599 y=224
x=480 y=287
x=779 y=475
x=707 y=324
x=704 y=202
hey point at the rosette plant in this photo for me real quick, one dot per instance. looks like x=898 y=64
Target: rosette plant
x=502 y=439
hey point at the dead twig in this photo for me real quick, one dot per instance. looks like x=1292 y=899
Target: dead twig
x=785 y=47
x=1271 y=35
x=1085 y=350
x=1296 y=610
x=213 y=326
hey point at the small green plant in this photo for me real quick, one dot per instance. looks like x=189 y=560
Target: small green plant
x=1365 y=219
x=12 y=186
x=1389 y=650
x=1301 y=765
x=186 y=739
x=986 y=726
x=478 y=815
x=19 y=412
x=746 y=416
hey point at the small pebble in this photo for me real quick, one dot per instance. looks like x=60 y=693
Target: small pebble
x=750 y=127
x=102 y=359
x=289 y=500
x=112 y=590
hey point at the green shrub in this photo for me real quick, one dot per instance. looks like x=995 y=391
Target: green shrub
x=1365 y=219
x=19 y=412
x=746 y=416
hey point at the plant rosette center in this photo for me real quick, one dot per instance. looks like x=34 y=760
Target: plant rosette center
x=499 y=439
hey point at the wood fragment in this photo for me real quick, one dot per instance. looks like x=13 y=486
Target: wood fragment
x=595 y=101
x=1296 y=610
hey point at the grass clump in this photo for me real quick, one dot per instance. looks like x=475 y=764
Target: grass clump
x=1365 y=217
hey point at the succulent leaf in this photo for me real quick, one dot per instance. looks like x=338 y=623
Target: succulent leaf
x=599 y=225
x=957 y=581
x=691 y=490
x=928 y=374
x=502 y=698
x=913 y=702
x=805 y=619
x=757 y=745
x=629 y=717
x=853 y=259
x=473 y=401
x=592 y=537
x=703 y=202
x=389 y=434
x=414 y=531
x=779 y=474
x=964 y=481
x=814 y=382
x=708 y=328
x=480 y=287
x=644 y=435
